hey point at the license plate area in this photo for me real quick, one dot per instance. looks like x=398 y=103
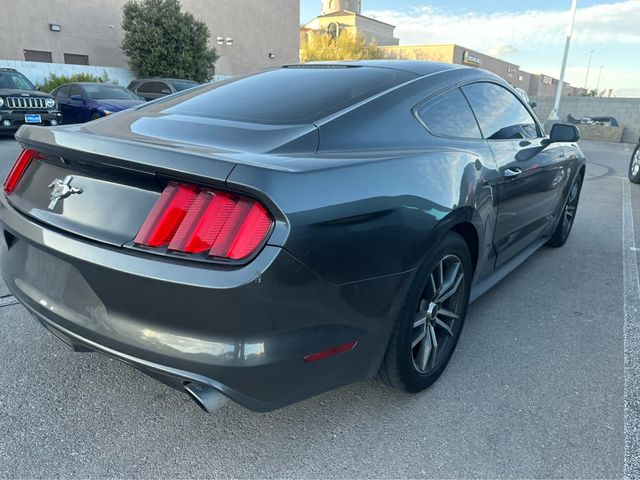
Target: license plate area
x=32 y=118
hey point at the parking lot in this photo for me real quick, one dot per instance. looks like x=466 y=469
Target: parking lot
x=534 y=389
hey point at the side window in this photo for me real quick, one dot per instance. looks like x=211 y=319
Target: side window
x=76 y=90
x=153 y=87
x=500 y=114
x=63 y=92
x=449 y=115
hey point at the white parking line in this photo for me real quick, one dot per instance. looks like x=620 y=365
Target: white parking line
x=631 y=339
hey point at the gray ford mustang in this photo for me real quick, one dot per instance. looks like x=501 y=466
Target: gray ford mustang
x=271 y=237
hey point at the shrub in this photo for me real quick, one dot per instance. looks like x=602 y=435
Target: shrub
x=161 y=40
x=53 y=81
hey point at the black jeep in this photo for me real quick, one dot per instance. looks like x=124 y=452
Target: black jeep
x=21 y=103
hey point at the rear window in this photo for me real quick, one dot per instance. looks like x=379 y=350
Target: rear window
x=292 y=95
x=181 y=85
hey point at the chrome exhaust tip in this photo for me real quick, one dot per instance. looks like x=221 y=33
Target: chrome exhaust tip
x=207 y=398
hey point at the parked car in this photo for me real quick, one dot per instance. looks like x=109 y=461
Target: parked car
x=272 y=237
x=82 y=102
x=525 y=97
x=634 y=165
x=151 y=88
x=21 y=103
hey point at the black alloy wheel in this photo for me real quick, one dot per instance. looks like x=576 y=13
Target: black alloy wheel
x=634 y=166
x=429 y=326
x=568 y=215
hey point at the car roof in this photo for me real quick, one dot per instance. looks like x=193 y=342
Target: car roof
x=414 y=66
x=163 y=78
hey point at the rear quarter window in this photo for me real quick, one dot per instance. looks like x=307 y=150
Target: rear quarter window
x=292 y=95
x=448 y=114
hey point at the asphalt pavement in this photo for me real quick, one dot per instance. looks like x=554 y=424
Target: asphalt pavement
x=535 y=388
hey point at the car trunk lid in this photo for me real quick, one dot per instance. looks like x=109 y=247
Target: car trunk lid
x=106 y=187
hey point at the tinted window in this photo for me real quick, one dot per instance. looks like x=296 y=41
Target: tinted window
x=76 y=90
x=449 y=114
x=75 y=59
x=153 y=87
x=500 y=114
x=113 y=92
x=62 y=92
x=181 y=85
x=15 y=80
x=37 y=56
x=290 y=95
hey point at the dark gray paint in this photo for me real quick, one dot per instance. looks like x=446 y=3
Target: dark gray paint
x=358 y=199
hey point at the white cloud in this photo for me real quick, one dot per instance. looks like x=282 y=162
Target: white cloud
x=518 y=36
x=611 y=23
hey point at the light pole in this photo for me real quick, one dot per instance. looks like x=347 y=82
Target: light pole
x=553 y=116
x=588 y=68
x=599 y=75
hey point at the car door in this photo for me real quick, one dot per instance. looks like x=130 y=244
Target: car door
x=448 y=117
x=61 y=95
x=531 y=173
x=152 y=89
x=77 y=104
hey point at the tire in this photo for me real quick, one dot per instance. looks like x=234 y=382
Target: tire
x=565 y=223
x=95 y=116
x=404 y=366
x=634 y=166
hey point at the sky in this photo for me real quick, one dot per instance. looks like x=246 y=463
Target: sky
x=529 y=34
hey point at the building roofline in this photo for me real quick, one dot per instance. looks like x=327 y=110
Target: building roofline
x=451 y=45
x=349 y=12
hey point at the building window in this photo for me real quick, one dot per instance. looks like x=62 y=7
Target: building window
x=76 y=59
x=37 y=56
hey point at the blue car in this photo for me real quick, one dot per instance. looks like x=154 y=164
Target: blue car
x=82 y=102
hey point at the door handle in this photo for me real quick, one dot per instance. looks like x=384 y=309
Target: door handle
x=512 y=172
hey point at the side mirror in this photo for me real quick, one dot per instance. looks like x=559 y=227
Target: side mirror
x=533 y=104
x=563 y=132
x=166 y=91
x=76 y=98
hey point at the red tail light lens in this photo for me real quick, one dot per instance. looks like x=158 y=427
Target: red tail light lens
x=187 y=219
x=18 y=169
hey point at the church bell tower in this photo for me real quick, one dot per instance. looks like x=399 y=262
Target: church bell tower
x=332 y=6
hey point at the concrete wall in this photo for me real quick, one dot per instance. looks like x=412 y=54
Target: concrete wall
x=625 y=110
x=258 y=28
x=88 y=27
x=37 y=71
x=92 y=27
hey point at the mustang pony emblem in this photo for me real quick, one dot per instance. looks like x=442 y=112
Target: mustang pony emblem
x=61 y=189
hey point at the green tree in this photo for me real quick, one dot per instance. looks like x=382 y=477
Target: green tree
x=595 y=93
x=161 y=40
x=348 y=46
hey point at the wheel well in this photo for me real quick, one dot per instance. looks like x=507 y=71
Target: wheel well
x=468 y=232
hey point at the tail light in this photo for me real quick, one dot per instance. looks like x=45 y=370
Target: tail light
x=18 y=169
x=193 y=220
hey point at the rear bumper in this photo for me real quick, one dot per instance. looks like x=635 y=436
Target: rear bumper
x=17 y=119
x=242 y=331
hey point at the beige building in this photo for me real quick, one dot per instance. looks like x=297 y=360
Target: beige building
x=345 y=15
x=534 y=85
x=248 y=34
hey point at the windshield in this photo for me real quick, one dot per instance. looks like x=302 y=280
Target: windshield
x=110 y=92
x=15 y=80
x=181 y=85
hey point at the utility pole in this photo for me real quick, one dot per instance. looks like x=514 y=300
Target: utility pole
x=553 y=117
x=588 y=68
x=599 y=75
